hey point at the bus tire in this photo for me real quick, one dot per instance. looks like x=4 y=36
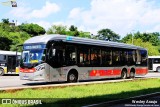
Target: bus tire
x=72 y=76
x=132 y=74
x=124 y=74
x=158 y=69
x=1 y=72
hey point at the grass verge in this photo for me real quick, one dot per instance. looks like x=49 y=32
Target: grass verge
x=85 y=94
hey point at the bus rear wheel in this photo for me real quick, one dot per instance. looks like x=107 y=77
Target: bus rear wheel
x=1 y=72
x=124 y=74
x=72 y=77
x=132 y=75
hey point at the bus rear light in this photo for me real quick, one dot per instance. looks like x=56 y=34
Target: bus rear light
x=27 y=70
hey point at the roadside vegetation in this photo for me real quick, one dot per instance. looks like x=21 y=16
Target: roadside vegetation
x=86 y=94
x=12 y=35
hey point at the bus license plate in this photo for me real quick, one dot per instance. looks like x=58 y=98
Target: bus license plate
x=25 y=77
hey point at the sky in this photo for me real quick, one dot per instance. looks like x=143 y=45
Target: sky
x=121 y=16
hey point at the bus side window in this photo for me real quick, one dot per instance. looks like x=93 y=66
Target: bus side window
x=116 y=58
x=106 y=57
x=83 y=56
x=131 y=57
x=124 y=57
x=95 y=57
x=143 y=57
x=71 y=55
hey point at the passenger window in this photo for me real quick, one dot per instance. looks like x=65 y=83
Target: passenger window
x=116 y=57
x=106 y=57
x=71 y=55
x=95 y=57
x=84 y=56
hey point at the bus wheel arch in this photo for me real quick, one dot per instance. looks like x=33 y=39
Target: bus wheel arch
x=124 y=73
x=132 y=73
x=72 y=76
x=158 y=69
x=1 y=71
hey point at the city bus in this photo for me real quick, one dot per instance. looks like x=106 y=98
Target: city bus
x=154 y=63
x=67 y=58
x=9 y=62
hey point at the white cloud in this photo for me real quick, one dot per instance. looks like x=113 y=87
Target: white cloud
x=122 y=16
x=46 y=10
x=75 y=13
x=156 y=28
x=28 y=13
x=44 y=24
x=58 y=23
x=21 y=12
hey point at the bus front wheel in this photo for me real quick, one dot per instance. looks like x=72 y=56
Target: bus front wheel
x=72 y=77
x=1 y=72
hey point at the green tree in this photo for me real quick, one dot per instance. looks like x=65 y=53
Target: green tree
x=108 y=34
x=153 y=38
x=5 y=43
x=9 y=40
x=57 y=29
x=32 y=29
x=84 y=34
x=126 y=38
x=73 y=31
x=17 y=38
x=152 y=50
x=5 y=21
x=73 y=28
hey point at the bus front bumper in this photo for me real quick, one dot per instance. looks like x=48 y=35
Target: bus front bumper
x=31 y=76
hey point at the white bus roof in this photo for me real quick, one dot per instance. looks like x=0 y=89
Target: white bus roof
x=153 y=56
x=44 y=39
x=2 y=52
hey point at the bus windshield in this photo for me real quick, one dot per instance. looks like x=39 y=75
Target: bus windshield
x=33 y=56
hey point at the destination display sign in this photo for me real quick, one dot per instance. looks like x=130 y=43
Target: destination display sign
x=26 y=47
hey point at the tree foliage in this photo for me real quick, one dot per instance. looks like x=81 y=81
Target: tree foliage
x=17 y=38
x=11 y=36
x=57 y=29
x=152 y=50
x=5 y=21
x=32 y=29
x=108 y=34
x=153 y=38
x=72 y=31
x=5 y=43
x=84 y=34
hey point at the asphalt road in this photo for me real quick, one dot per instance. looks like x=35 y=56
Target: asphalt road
x=14 y=80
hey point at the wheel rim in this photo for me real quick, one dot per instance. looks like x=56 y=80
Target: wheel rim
x=1 y=71
x=72 y=77
x=123 y=74
x=132 y=75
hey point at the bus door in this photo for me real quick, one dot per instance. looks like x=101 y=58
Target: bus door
x=11 y=63
x=150 y=64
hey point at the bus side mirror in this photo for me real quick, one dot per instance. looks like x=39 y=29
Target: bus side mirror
x=53 y=52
